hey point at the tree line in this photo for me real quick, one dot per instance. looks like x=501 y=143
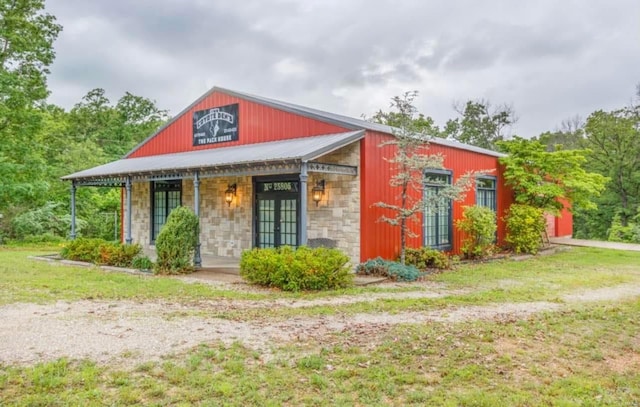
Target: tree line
x=41 y=142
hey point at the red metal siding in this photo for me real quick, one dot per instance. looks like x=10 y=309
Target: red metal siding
x=564 y=223
x=258 y=124
x=381 y=239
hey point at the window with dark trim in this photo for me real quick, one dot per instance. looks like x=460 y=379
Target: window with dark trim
x=165 y=197
x=486 y=192
x=438 y=223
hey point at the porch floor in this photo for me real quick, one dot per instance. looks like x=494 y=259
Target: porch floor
x=227 y=265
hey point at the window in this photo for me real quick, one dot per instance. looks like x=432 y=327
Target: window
x=486 y=192
x=437 y=213
x=165 y=196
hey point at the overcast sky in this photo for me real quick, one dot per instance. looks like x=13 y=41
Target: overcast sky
x=549 y=59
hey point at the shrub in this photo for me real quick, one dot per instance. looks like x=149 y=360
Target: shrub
x=43 y=221
x=391 y=269
x=176 y=242
x=619 y=233
x=426 y=258
x=118 y=254
x=45 y=238
x=479 y=225
x=298 y=269
x=142 y=263
x=83 y=249
x=99 y=251
x=525 y=225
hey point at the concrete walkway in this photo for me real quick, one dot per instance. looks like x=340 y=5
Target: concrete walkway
x=595 y=243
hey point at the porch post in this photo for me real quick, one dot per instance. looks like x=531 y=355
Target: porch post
x=197 y=259
x=128 y=239
x=303 y=204
x=73 y=210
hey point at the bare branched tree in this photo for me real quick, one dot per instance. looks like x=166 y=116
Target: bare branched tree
x=410 y=161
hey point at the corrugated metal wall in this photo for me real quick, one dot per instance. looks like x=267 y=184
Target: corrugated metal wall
x=564 y=223
x=382 y=239
x=258 y=124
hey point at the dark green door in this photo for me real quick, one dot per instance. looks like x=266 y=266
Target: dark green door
x=277 y=214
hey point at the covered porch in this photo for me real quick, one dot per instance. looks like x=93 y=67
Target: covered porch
x=223 y=185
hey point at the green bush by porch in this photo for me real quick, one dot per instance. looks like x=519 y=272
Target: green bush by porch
x=296 y=269
x=177 y=242
x=99 y=251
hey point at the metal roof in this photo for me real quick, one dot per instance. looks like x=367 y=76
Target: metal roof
x=299 y=149
x=349 y=122
x=337 y=119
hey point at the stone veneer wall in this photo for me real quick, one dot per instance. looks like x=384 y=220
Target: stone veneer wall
x=141 y=211
x=224 y=230
x=227 y=231
x=337 y=216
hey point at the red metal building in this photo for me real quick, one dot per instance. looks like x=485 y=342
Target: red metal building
x=261 y=172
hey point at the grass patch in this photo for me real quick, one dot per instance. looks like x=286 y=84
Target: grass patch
x=566 y=270
x=587 y=354
x=26 y=280
x=544 y=360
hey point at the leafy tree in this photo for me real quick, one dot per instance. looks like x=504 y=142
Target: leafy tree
x=420 y=122
x=545 y=180
x=570 y=135
x=411 y=142
x=26 y=51
x=116 y=129
x=479 y=124
x=614 y=138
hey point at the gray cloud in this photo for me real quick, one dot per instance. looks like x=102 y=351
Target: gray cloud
x=550 y=60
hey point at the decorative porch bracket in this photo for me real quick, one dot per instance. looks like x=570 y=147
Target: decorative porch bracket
x=333 y=168
x=163 y=177
x=101 y=182
x=251 y=169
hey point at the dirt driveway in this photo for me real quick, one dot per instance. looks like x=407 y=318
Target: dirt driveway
x=128 y=333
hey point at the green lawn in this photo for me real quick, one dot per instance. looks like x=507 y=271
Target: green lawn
x=585 y=354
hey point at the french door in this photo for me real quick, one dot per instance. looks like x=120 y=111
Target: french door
x=277 y=214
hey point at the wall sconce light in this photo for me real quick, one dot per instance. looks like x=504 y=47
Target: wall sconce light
x=318 y=191
x=230 y=193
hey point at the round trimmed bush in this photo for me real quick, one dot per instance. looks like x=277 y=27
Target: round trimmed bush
x=298 y=269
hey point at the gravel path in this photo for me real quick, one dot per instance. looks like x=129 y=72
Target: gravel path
x=128 y=333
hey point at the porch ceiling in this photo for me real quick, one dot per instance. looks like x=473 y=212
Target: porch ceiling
x=282 y=155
